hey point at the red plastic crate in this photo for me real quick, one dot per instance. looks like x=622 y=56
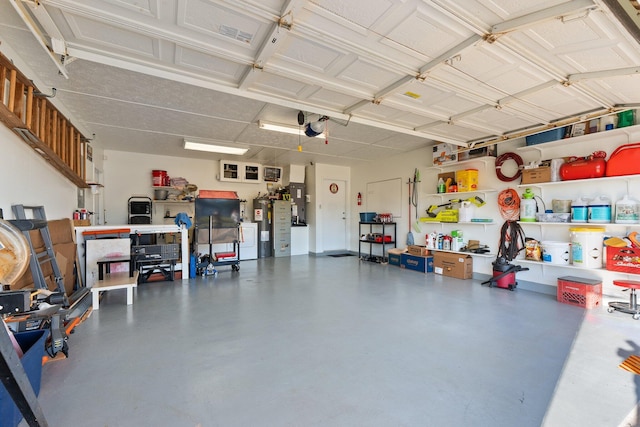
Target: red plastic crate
x=626 y=260
x=585 y=293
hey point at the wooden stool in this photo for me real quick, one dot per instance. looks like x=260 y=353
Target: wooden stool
x=630 y=307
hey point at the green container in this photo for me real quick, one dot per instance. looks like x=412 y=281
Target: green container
x=626 y=118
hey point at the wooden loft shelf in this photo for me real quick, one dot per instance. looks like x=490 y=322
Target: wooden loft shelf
x=40 y=124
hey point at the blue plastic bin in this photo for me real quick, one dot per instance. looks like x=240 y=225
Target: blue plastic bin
x=367 y=216
x=547 y=136
x=32 y=345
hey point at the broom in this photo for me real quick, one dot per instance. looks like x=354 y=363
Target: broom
x=410 y=240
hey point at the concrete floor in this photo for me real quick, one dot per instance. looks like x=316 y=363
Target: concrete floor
x=322 y=341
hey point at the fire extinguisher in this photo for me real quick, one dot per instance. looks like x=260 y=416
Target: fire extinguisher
x=359 y=199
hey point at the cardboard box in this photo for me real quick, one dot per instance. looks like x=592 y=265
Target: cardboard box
x=418 y=250
x=626 y=260
x=423 y=264
x=533 y=176
x=394 y=256
x=445 y=153
x=586 y=293
x=64 y=248
x=451 y=264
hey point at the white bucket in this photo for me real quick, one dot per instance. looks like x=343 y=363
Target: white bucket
x=556 y=252
x=587 y=246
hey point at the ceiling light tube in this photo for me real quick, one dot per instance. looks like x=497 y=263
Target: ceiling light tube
x=213 y=148
x=293 y=130
x=566 y=8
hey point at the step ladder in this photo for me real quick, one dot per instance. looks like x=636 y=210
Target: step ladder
x=38 y=221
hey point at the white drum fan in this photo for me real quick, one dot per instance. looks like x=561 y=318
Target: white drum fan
x=14 y=253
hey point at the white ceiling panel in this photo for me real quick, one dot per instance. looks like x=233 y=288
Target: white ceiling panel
x=562 y=106
x=146 y=7
x=365 y=16
x=497 y=121
x=457 y=132
x=331 y=99
x=398 y=73
x=309 y=53
x=362 y=72
x=615 y=90
x=224 y=69
x=118 y=39
x=222 y=23
x=428 y=32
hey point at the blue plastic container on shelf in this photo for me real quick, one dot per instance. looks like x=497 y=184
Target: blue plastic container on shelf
x=547 y=136
x=367 y=216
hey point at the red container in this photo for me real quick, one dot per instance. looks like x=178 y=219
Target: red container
x=583 y=169
x=379 y=239
x=585 y=293
x=626 y=260
x=625 y=160
x=159 y=178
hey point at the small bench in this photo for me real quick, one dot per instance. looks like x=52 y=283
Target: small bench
x=123 y=280
x=104 y=264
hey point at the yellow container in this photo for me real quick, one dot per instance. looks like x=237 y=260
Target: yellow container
x=467 y=180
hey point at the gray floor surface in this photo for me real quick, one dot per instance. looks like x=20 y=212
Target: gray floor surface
x=322 y=341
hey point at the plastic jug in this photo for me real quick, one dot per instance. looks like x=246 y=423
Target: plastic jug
x=599 y=210
x=627 y=211
x=528 y=206
x=466 y=211
x=579 y=210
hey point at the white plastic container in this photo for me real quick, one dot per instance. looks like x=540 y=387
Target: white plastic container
x=579 y=210
x=556 y=252
x=587 y=246
x=600 y=210
x=627 y=211
x=466 y=211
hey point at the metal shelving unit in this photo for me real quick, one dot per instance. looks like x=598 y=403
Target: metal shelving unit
x=383 y=227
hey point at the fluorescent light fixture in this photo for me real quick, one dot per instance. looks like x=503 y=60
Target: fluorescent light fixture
x=214 y=148
x=294 y=130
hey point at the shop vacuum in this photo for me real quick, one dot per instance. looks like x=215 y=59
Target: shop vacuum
x=511 y=243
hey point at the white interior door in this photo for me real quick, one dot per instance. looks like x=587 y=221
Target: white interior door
x=334 y=215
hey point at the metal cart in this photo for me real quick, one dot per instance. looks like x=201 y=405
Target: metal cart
x=217 y=220
x=140 y=210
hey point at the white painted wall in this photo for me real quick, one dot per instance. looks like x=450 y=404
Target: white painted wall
x=28 y=179
x=130 y=174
